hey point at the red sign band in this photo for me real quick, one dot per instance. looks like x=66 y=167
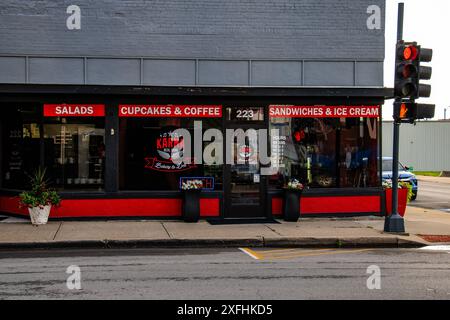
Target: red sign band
x=74 y=110
x=324 y=111
x=170 y=111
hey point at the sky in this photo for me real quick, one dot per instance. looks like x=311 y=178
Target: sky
x=426 y=22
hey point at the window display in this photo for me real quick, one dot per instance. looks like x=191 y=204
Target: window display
x=148 y=147
x=328 y=152
x=20 y=144
x=316 y=145
x=358 y=153
x=75 y=152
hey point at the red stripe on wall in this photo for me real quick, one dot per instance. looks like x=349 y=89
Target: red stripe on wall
x=116 y=208
x=11 y=205
x=172 y=207
x=333 y=205
x=210 y=207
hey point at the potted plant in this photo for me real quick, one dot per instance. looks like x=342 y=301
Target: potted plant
x=291 y=201
x=191 y=199
x=405 y=194
x=40 y=199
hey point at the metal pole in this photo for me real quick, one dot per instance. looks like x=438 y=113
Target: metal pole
x=395 y=222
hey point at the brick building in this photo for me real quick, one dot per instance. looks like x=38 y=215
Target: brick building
x=89 y=88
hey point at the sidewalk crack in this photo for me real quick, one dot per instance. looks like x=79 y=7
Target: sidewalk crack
x=273 y=230
x=167 y=231
x=57 y=231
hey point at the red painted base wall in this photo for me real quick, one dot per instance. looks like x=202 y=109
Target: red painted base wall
x=333 y=205
x=208 y=207
x=116 y=208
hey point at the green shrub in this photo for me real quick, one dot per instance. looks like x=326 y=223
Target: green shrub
x=39 y=195
x=406 y=185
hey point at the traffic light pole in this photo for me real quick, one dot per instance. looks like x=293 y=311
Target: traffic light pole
x=395 y=223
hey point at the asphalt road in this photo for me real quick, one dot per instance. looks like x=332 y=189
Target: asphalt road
x=226 y=274
x=433 y=195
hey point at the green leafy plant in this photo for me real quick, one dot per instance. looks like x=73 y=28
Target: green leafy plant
x=387 y=184
x=39 y=195
x=406 y=185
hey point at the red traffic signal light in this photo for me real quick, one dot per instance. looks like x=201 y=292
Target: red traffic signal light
x=409 y=52
x=409 y=71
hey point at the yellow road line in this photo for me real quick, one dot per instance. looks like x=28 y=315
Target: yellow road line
x=251 y=253
x=291 y=249
x=274 y=253
x=301 y=255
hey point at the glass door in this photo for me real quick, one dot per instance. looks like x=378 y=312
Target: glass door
x=245 y=188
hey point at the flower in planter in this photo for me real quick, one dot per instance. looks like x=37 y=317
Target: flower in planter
x=40 y=199
x=294 y=184
x=192 y=185
x=40 y=195
x=387 y=184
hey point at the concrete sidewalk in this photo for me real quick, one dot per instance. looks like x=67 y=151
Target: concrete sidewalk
x=338 y=232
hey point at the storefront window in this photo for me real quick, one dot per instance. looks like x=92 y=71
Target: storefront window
x=75 y=152
x=328 y=152
x=358 y=153
x=20 y=143
x=147 y=147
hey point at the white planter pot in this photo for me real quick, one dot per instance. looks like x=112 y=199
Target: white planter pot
x=39 y=216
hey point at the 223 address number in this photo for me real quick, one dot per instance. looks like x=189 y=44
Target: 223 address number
x=245 y=114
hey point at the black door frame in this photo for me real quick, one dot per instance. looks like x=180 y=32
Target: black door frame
x=263 y=185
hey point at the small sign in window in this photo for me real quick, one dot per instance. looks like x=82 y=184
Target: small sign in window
x=208 y=182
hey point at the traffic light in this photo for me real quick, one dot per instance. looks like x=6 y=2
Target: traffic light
x=409 y=71
x=408 y=112
x=424 y=111
x=404 y=111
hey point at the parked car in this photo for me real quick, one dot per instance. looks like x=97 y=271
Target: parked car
x=404 y=174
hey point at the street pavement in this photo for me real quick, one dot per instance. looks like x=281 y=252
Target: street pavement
x=227 y=274
x=434 y=193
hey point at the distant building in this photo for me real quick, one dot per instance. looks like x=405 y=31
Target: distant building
x=425 y=146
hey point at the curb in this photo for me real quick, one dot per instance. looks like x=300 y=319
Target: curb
x=361 y=242
x=371 y=242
